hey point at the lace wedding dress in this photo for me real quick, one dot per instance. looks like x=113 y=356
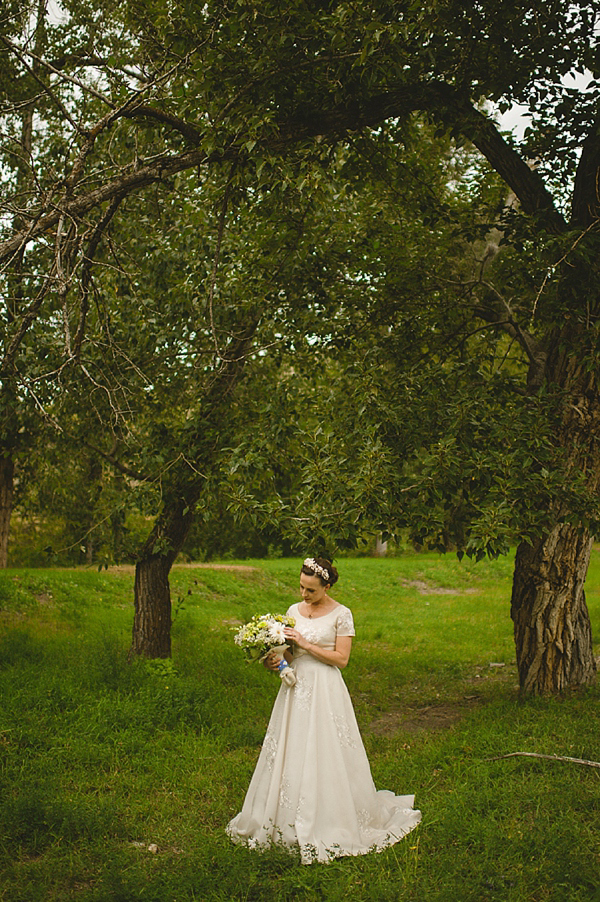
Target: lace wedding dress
x=312 y=787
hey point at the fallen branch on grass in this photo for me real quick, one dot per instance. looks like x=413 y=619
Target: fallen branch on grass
x=547 y=757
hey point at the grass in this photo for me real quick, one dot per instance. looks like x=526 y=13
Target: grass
x=118 y=778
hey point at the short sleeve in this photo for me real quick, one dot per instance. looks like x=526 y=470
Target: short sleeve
x=344 y=625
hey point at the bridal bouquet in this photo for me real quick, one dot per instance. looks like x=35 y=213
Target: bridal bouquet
x=264 y=634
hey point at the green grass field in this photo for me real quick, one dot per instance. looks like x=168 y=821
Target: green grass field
x=118 y=778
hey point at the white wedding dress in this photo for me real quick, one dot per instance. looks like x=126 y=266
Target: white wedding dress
x=312 y=787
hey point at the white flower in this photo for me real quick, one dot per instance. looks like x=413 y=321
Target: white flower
x=276 y=633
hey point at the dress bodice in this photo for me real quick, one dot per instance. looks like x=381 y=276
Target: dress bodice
x=323 y=631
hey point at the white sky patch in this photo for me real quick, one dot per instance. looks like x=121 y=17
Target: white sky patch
x=56 y=14
x=516 y=119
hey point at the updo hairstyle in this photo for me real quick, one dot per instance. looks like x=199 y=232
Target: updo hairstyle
x=317 y=566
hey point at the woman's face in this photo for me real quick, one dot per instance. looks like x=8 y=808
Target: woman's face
x=312 y=589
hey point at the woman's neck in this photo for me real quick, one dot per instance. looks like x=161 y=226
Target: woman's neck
x=316 y=608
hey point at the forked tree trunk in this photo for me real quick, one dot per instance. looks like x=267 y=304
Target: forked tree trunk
x=152 y=593
x=7 y=471
x=553 y=635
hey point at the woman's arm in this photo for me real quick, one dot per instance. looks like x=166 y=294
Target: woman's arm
x=338 y=656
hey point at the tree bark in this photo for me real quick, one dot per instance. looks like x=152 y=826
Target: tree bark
x=152 y=620
x=552 y=629
x=7 y=470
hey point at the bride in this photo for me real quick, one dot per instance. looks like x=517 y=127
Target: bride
x=312 y=787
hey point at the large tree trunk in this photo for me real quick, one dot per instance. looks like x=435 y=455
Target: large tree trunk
x=7 y=470
x=553 y=635
x=552 y=628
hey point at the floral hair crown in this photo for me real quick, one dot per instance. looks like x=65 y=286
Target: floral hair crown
x=316 y=568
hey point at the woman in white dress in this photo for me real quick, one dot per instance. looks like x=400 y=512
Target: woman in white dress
x=312 y=787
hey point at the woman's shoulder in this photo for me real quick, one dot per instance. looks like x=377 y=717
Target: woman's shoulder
x=344 y=620
x=339 y=607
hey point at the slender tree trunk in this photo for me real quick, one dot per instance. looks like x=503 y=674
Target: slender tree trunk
x=7 y=470
x=152 y=618
x=553 y=635
x=15 y=298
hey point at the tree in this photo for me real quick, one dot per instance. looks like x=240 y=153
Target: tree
x=253 y=94
x=441 y=67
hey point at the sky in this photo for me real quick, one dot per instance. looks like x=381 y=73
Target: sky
x=515 y=119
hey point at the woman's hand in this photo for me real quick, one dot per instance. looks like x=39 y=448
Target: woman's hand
x=271 y=662
x=296 y=638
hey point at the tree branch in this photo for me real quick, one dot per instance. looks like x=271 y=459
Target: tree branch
x=114 y=462
x=161 y=168
x=527 y=184
x=547 y=758
x=19 y=53
x=86 y=270
x=456 y=112
x=504 y=318
x=143 y=111
x=56 y=100
x=27 y=319
x=585 y=209
x=580 y=237
x=438 y=99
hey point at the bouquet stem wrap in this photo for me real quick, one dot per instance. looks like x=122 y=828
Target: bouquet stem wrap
x=286 y=673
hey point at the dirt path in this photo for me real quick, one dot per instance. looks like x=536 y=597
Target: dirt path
x=242 y=568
